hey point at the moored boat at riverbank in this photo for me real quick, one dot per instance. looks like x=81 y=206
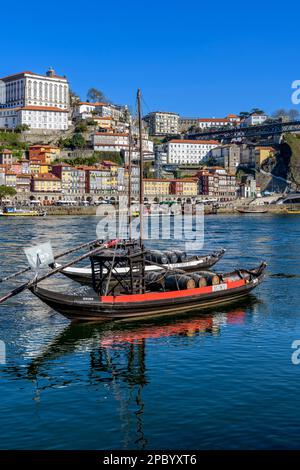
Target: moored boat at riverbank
x=14 y=212
x=95 y=307
x=256 y=210
x=180 y=261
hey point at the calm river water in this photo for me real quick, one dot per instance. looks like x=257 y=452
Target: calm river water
x=219 y=379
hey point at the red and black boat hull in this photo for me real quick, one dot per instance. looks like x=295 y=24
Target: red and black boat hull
x=149 y=304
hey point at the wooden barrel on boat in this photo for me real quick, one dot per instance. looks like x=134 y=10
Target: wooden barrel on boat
x=154 y=281
x=200 y=281
x=211 y=278
x=181 y=256
x=179 y=282
x=157 y=257
x=235 y=276
x=172 y=257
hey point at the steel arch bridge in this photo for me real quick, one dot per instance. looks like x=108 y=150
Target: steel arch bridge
x=265 y=130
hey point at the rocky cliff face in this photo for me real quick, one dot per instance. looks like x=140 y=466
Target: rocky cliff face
x=285 y=166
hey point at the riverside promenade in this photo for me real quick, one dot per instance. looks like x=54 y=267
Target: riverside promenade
x=208 y=209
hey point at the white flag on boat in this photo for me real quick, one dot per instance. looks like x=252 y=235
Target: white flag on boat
x=39 y=256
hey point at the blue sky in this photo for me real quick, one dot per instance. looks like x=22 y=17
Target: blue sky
x=196 y=58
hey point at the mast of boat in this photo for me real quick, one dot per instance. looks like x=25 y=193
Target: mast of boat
x=129 y=180
x=141 y=166
x=142 y=283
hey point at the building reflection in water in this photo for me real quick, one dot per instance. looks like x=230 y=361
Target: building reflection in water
x=118 y=357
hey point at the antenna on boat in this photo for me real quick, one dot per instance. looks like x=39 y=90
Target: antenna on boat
x=141 y=166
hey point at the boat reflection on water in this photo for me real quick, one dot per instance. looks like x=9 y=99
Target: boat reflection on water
x=209 y=324
x=118 y=357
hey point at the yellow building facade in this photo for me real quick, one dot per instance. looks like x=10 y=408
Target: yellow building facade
x=262 y=153
x=46 y=183
x=156 y=187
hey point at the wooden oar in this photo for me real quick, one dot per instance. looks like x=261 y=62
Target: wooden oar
x=60 y=255
x=29 y=284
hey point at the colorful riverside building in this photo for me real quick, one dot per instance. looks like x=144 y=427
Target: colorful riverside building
x=178 y=187
x=45 y=153
x=97 y=180
x=6 y=157
x=16 y=168
x=156 y=187
x=2 y=174
x=23 y=183
x=24 y=166
x=217 y=183
x=11 y=179
x=184 y=187
x=72 y=179
x=46 y=183
x=36 y=167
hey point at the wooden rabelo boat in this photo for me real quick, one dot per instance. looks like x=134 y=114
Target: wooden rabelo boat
x=248 y=210
x=117 y=297
x=170 y=260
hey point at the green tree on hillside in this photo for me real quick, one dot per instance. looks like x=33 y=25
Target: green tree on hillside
x=279 y=113
x=291 y=115
x=6 y=191
x=257 y=111
x=77 y=141
x=244 y=114
x=81 y=127
x=22 y=127
x=95 y=95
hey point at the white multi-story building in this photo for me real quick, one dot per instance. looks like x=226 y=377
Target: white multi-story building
x=110 y=142
x=111 y=110
x=41 y=102
x=85 y=109
x=255 y=119
x=204 y=123
x=190 y=152
x=233 y=118
x=30 y=89
x=36 y=117
x=162 y=123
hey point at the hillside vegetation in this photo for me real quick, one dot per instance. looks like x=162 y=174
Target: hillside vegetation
x=291 y=148
x=97 y=157
x=12 y=141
